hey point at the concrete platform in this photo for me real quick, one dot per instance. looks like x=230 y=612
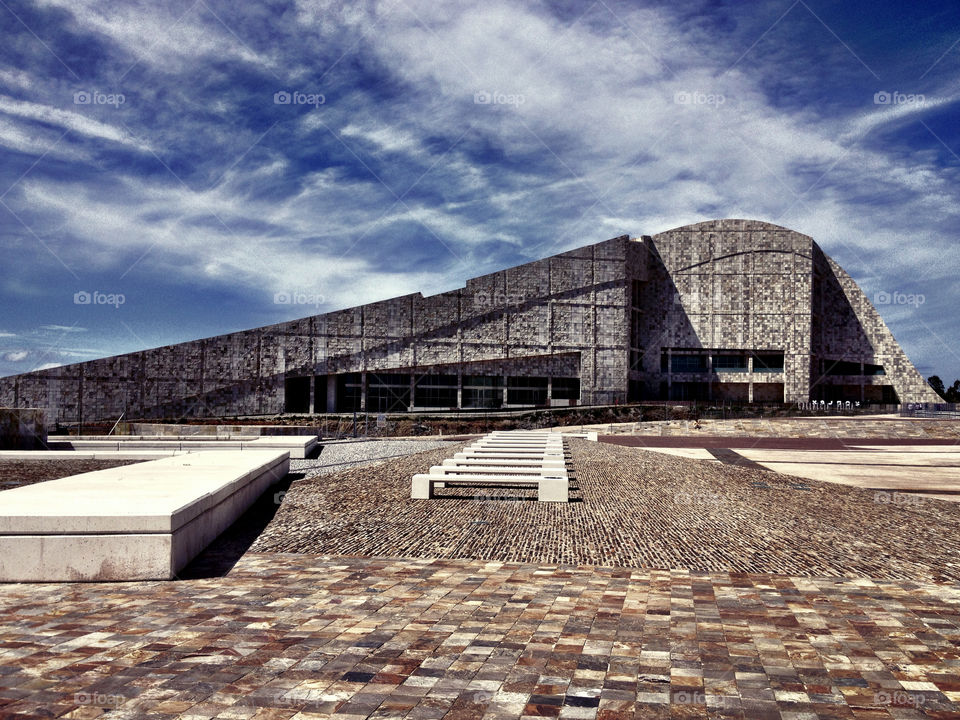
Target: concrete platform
x=137 y=522
x=299 y=446
x=89 y=454
x=930 y=470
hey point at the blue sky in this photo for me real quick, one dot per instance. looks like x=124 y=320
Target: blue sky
x=200 y=160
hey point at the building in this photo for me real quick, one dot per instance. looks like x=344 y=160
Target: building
x=726 y=310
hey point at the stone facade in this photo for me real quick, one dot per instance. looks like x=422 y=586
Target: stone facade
x=735 y=310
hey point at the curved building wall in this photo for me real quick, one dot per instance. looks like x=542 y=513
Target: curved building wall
x=731 y=310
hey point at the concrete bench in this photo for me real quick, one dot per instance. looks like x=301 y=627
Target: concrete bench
x=138 y=522
x=549 y=488
x=299 y=446
x=558 y=463
x=496 y=470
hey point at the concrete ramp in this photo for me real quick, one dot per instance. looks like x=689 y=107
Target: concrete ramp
x=137 y=522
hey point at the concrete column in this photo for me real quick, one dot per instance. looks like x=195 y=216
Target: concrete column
x=331 y=393
x=313 y=395
x=413 y=390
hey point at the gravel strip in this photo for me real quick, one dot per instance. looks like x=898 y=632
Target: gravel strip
x=335 y=457
x=629 y=508
x=17 y=473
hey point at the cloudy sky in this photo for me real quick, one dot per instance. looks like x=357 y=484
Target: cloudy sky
x=172 y=170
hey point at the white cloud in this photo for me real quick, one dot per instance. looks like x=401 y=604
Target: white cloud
x=157 y=34
x=69 y=121
x=64 y=328
x=16 y=355
x=48 y=366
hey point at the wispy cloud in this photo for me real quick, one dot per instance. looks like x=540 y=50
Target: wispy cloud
x=452 y=140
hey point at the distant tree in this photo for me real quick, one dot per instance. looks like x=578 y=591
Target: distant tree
x=937 y=384
x=953 y=392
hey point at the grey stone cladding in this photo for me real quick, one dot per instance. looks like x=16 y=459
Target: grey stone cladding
x=689 y=313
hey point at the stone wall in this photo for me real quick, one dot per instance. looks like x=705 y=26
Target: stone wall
x=608 y=313
x=728 y=284
x=571 y=303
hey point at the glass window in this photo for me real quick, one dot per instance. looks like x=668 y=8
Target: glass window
x=566 y=388
x=688 y=363
x=527 y=390
x=772 y=362
x=729 y=363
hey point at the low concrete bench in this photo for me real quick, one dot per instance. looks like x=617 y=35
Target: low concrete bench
x=558 y=463
x=496 y=470
x=138 y=522
x=299 y=446
x=549 y=488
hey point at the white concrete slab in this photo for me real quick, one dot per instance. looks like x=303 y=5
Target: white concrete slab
x=549 y=489
x=299 y=446
x=692 y=453
x=910 y=448
x=492 y=462
x=137 y=522
x=88 y=454
x=494 y=470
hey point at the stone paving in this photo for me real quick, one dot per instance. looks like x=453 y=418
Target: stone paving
x=793 y=427
x=480 y=619
x=304 y=636
x=628 y=507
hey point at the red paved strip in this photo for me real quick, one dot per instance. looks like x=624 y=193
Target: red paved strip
x=765 y=443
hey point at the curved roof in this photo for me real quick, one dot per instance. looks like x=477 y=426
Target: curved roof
x=720 y=224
